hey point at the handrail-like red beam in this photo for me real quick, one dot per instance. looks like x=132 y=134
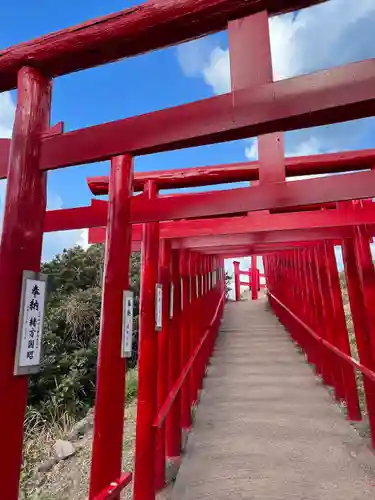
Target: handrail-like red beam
x=136 y=30
x=114 y=489
x=163 y=412
x=348 y=359
x=242 y=172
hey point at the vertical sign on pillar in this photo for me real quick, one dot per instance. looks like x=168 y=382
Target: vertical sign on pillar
x=182 y=293
x=158 y=307
x=127 y=325
x=171 y=301
x=30 y=326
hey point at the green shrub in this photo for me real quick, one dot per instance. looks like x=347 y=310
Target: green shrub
x=66 y=383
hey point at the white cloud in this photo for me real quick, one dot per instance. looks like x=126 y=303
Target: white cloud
x=193 y=56
x=216 y=72
x=323 y=36
x=330 y=34
x=251 y=151
x=7 y=110
x=83 y=239
x=53 y=243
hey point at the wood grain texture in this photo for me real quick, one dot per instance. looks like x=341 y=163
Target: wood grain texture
x=136 y=30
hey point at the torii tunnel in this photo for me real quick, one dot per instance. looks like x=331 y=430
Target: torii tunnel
x=184 y=238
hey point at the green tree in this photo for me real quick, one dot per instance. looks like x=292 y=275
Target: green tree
x=67 y=378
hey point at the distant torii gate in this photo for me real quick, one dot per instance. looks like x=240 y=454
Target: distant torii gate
x=253 y=275
x=255 y=106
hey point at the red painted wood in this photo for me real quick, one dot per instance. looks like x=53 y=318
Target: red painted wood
x=110 y=385
x=254 y=278
x=173 y=424
x=362 y=332
x=144 y=471
x=249 y=51
x=367 y=279
x=185 y=319
x=112 y=491
x=177 y=387
x=322 y=313
x=20 y=250
x=77 y=218
x=341 y=333
x=164 y=356
x=4 y=157
x=196 y=325
x=271 y=157
x=56 y=129
x=240 y=172
x=299 y=102
x=329 y=347
x=237 y=286
x=263 y=197
x=208 y=242
x=136 y=30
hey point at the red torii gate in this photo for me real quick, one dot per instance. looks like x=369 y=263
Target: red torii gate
x=253 y=275
x=256 y=105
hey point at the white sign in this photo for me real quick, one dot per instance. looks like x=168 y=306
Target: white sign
x=127 y=324
x=171 y=301
x=197 y=286
x=30 y=323
x=158 y=306
x=202 y=284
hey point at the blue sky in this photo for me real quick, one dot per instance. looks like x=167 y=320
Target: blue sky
x=323 y=36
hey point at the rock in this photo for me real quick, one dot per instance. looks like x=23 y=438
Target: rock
x=47 y=465
x=82 y=427
x=63 y=449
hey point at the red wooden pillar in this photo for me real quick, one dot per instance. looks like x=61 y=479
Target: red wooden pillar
x=194 y=326
x=237 y=286
x=341 y=334
x=366 y=275
x=185 y=341
x=249 y=276
x=110 y=386
x=173 y=430
x=163 y=357
x=144 y=473
x=201 y=367
x=367 y=278
x=254 y=278
x=322 y=319
x=361 y=329
x=329 y=324
x=20 y=250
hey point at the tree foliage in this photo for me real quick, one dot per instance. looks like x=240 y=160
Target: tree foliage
x=67 y=378
x=228 y=284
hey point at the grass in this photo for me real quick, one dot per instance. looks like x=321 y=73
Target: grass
x=41 y=434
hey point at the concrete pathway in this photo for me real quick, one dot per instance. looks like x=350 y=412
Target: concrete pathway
x=266 y=428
